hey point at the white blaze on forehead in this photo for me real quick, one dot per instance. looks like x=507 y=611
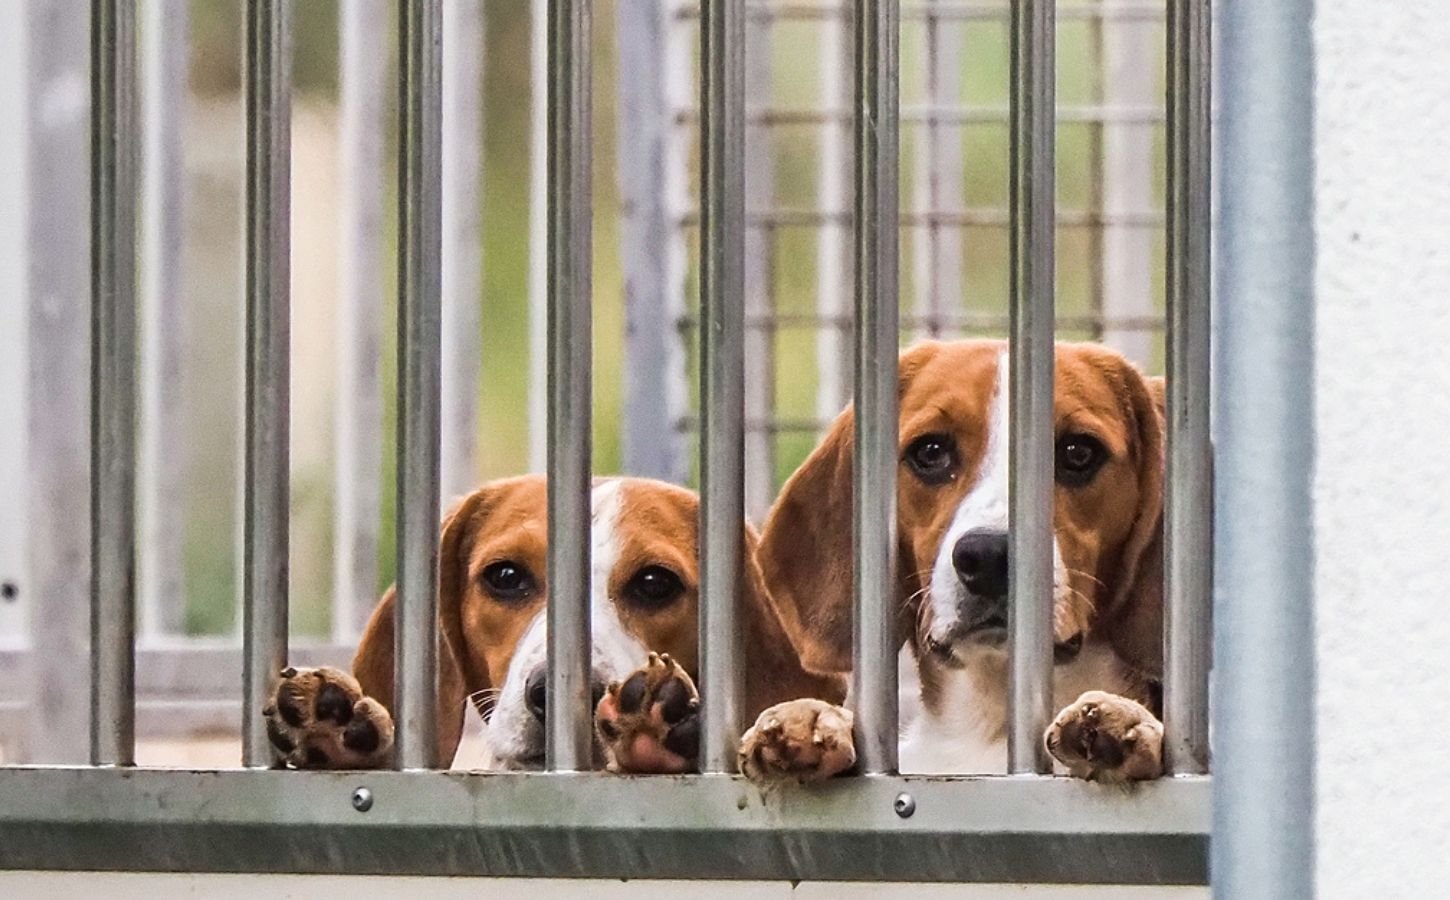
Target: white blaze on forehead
x=984 y=507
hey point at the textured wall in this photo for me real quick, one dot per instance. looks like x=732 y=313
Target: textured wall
x=1383 y=494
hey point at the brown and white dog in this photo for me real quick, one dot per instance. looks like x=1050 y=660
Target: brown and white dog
x=952 y=552
x=492 y=596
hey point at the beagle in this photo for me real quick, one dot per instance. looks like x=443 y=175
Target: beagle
x=952 y=558
x=493 y=638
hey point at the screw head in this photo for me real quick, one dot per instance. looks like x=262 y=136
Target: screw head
x=362 y=799
x=905 y=805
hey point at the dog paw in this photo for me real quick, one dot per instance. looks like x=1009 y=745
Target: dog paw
x=799 y=740
x=320 y=719
x=1105 y=737
x=650 y=722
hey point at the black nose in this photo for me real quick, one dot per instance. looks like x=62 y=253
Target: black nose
x=536 y=692
x=980 y=558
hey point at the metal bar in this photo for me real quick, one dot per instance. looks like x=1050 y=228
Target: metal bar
x=568 y=743
x=420 y=203
x=959 y=10
x=442 y=823
x=1128 y=254
x=159 y=497
x=979 y=217
x=15 y=480
x=268 y=275
x=873 y=510
x=938 y=182
x=651 y=251
x=114 y=145
x=539 y=234
x=934 y=114
x=833 y=246
x=358 y=423
x=58 y=296
x=759 y=284
x=1263 y=711
x=1187 y=513
x=462 y=363
x=722 y=377
x=1031 y=484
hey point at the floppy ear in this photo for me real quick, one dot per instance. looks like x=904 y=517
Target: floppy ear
x=373 y=663
x=805 y=547
x=773 y=670
x=1134 y=621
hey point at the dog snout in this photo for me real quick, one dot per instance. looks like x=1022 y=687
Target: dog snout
x=980 y=559
x=536 y=692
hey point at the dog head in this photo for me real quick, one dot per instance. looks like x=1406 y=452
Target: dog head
x=493 y=592
x=952 y=512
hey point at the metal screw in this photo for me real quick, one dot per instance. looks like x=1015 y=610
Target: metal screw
x=362 y=799
x=905 y=805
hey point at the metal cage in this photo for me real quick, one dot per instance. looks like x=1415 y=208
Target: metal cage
x=567 y=821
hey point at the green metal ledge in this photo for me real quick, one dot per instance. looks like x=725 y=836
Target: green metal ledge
x=1010 y=829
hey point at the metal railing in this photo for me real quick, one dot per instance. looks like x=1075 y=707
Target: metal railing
x=571 y=822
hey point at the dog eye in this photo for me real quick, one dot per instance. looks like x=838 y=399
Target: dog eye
x=933 y=457
x=507 y=580
x=653 y=587
x=1079 y=456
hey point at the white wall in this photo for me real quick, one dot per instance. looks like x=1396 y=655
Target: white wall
x=1383 y=487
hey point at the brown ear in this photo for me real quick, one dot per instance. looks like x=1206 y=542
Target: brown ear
x=805 y=547
x=1134 y=620
x=773 y=670
x=373 y=663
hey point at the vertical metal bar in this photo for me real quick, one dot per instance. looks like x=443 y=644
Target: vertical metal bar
x=358 y=425
x=159 y=498
x=1187 y=518
x=1127 y=184
x=57 y=429
x=15 y=479
x=938 y=181
x=462 y=242
x=268 y=276
x=722 y=374
x=759 y=282
x=833 y=247
x=877 y=129
x=538 y=235
x=650 y=248
x=1030 y=492
x=113 y=382
x=1263 y=679
x=568 y=737
x=420 y=202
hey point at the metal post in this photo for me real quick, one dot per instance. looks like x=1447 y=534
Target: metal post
x=268 y=302
x=539 y=235
x=1263 y=681
x=363 y=31
x=873 y=676
x=833 y=248
x=1031 y=384
x=160 y=502
x=568 y=733
x=420 y=190
x=722 y=375
x=759 y=283
x=58 y=296
x=462 y=243
x=114 y=141
x=650 y=248
x=1128 y=250
x=1187 y=521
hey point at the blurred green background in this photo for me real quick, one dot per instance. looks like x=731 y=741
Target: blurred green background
x=211 y=373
